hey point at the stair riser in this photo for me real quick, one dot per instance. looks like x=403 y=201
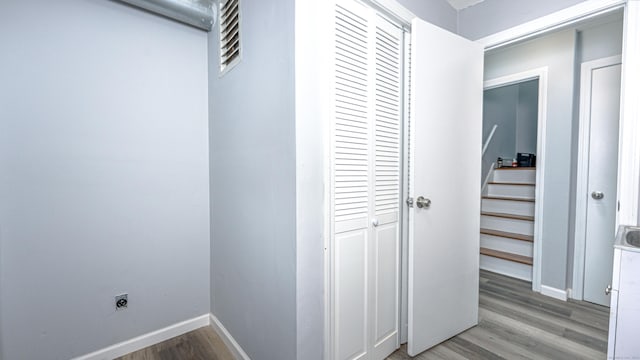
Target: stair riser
x=512 y=246
x=519 y=191
x=524 y=208
x=524 y=227
x=505 y=267
x=519 y=176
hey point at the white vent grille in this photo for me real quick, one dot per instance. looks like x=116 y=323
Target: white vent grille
x=351 y=139
x=229 y=34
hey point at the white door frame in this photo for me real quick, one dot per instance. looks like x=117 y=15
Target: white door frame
x=629 y=143
x=579 y=247
x=541 y=75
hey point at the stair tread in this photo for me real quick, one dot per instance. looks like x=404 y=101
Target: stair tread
x=507 y=216
x=515 y=168
x=511 y=183
x=507 y=198
x=507 y=256
x=507 y=234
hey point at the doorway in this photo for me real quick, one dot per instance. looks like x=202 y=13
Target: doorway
x=370 y=122
x=596 y=190
x=561 y=52
x=513 y=121
x=540 y=158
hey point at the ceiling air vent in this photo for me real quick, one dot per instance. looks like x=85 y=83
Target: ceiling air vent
x=229 y=34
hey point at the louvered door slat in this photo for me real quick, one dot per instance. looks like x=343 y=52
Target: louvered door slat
x=388 y=105
x=352 y=96
x=386 y=188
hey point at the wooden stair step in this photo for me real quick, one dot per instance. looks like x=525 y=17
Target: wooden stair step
x=508 y=216
x=506 y=234
x=507 y=198
x=510 y=183
x=507 y=256
x=515 y=168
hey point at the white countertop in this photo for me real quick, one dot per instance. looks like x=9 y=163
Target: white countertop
x=621 y=243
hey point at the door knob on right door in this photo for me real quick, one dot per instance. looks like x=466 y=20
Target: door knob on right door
x=597 y=195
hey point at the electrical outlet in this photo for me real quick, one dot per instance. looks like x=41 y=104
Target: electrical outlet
x=122 y=301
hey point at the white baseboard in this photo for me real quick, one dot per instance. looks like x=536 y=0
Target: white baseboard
x=231 y=343
x=553 y=292
x=148 y=339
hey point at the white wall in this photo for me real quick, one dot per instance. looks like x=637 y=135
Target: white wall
x=103 y=175
x=557 y=51
x=253 y=184
x=492 y=16
x=313 y=108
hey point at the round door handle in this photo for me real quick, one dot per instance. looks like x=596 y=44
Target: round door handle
x=423 y=203
x=607 y=290
x=597 y=195
x=375 y=222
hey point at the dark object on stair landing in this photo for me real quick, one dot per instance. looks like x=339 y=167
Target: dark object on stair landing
x=526 y=160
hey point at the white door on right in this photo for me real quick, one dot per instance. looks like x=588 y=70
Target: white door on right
x=444 y=224
x=604 y=113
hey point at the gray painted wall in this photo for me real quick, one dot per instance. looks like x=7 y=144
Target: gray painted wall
x=499 y=108
x=492 y=16
x=557 y=51
x=527 y=117
x=103 y=175
x=599 y=41
x=514 y=108
x=437 y=12
x=253 y=179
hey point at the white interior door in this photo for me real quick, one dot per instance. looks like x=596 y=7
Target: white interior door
x=365 y=192
x=604 y=114
x=446 y=121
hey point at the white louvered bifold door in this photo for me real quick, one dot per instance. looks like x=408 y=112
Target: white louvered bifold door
x=388 y=112
x=365 y=192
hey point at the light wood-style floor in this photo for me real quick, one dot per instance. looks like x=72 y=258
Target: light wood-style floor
x=200 y=344
x=515 y=323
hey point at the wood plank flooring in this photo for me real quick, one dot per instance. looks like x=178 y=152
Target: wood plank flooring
x=515 y=323
x=200 y=344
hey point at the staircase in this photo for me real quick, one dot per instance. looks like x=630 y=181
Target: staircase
x=507 y=222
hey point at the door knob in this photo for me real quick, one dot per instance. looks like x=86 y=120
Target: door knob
x=607 y=290
x=375 y=222
x=597 y=195
x=423 y=203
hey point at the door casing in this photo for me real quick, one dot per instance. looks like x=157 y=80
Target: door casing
x=580 y=244
x=541 y=75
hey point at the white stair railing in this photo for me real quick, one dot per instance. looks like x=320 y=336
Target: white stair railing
x=486 y=143
x=483 y=191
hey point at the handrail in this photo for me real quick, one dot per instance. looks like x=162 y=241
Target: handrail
x=486 y=143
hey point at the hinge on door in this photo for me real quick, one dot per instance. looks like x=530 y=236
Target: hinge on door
x=410 y=202
x=618 y=205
